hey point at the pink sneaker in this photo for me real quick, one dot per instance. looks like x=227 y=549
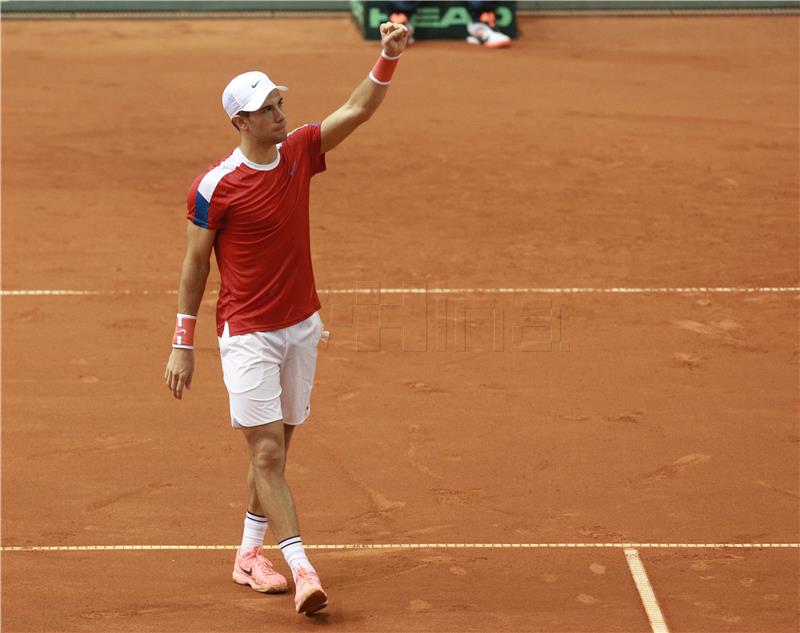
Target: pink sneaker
x=255 y=570
x=309 y=597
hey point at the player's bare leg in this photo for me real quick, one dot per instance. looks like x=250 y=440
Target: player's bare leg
x=252 y=567
x=253 y=504
x=268 y=463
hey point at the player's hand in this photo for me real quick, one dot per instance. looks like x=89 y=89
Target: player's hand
x=394 y=38
x=180 y=368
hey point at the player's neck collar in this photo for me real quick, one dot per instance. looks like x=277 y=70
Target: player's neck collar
x=239 y=155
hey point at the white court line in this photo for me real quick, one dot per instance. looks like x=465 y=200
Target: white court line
x=439 y=291
x=646 y=593
x=406 y=546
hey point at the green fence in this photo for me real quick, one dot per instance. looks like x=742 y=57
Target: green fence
x=440 y=20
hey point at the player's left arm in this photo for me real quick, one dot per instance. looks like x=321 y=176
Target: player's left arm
x=369 y=94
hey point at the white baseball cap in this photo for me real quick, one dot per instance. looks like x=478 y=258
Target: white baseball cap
x=247 y=92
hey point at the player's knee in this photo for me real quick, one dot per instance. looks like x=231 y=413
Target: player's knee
x=268 y=458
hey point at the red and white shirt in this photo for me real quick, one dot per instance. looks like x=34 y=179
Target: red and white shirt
x=263 y=244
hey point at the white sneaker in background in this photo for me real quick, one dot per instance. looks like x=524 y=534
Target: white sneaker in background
x=482 y=34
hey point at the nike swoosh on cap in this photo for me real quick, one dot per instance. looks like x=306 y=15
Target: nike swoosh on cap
x=255 y=84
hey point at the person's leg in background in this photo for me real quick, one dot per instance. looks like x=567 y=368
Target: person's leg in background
x=483 y=28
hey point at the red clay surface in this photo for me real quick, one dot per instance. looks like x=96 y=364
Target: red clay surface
x=637 y=152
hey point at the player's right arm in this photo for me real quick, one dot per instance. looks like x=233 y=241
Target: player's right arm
x=368 y=95
x=196 y=265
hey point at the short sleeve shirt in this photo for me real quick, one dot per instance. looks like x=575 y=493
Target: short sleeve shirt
x=263 y=243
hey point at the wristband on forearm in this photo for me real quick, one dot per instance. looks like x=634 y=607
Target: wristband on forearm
x=184 y=331
x=383 y=69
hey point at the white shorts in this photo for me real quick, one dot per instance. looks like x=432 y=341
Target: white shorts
x=269 y=375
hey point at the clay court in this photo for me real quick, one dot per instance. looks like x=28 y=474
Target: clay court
x=562 y=287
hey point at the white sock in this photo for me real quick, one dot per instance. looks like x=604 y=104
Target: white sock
x=254 y=529
x=295 y=554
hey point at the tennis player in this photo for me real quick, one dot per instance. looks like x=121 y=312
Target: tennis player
x=251 y=209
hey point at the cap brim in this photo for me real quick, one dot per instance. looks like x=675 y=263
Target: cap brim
x=257 y=100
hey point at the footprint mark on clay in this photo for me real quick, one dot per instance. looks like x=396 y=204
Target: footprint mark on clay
x=585 y=598
x=675 y=468
x=601 y=533
x=418 y=440
x=712 y=611
x=381 y=503
x=634 y=417
x=719 y=330
x=686 y=360
x=423 y=387
x=726 y=331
